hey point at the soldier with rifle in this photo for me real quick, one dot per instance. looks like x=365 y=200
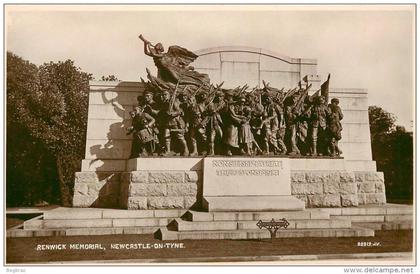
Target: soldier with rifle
x=171 y=122
x=291 y=114
x=318 y=115
x=269 y=125
x=197 y=128
x=281 y=131
x=215 y=122
x=245 y=136
x=334 y=127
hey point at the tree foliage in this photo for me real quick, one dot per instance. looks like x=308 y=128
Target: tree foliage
x=109 y=78
x=46 y=128
x=392 y=149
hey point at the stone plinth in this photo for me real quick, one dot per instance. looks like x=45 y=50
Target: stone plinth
x=248 y=184
x=177 y=182
x=252 y=203
x=160 y=183
x=171 y=163
x=338 y=188
x=97 y=189
x=370 y=187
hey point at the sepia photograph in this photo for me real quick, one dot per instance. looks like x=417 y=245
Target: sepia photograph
x=210 y=134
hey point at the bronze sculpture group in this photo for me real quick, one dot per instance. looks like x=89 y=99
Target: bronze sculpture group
x=181 y=113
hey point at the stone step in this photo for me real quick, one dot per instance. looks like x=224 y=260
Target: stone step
x=81 y=231
x=388 y=209
x=165 y=234
x=182 y=225
x=398 y=218
x=361 y=218
x=95 y=223
x=253 y=203
x=255 y=216
x=386 y=225
x=63 y=213
x=374 y=218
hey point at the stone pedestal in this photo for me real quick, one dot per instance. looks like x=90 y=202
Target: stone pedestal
x=161 y=183
x=178 y=182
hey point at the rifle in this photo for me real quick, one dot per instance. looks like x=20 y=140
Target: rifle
x=288 y=93
x=254 y=89
x=243 y=89
x=265 y=84
x=213 y=94
x=208 y=102
x=195 y=92
x=300 y=102
x=173 y=97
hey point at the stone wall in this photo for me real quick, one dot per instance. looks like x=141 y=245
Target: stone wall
x=154 y=189
x=97 y=189
x=239 y=65
x=161 y=189
x=370 y=187
x=338 y=188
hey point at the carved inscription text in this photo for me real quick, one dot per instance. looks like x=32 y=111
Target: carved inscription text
x=274 y=167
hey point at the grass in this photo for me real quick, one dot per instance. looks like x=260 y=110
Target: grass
x=23 y=250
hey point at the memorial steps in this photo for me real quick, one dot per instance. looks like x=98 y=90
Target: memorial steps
x=320 y=222
x=95 y=221
x=172 y=224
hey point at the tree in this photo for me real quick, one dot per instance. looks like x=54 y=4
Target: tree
x=381 y=122
x=50 y=107
x=392 y=149
x=109 y=78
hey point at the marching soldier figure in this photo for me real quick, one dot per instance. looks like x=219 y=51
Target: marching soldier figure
x=215 y=122
x=281 y=131
x=269 y=124
x=197 y=123
x=334 y=127
x=149 y=105
x=318 y=122
x=171 y=123
x=142 y=129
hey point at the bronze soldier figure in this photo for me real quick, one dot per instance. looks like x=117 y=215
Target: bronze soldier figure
x=291 y=124
x=172 y=123
x=334 y=127
x=281 y=131
x=318 y=125
x=196 y=122
x=142 y=129
x=215 y=122
x=245 y=136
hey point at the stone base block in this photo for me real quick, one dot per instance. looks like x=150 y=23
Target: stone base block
x=252 y=203
x=169 y=163
x=96 y=189
x=159 y=189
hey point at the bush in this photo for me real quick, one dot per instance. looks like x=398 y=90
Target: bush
x=392 y=149
x=46 y=128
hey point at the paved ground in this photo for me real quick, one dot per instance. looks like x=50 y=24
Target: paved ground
x=24 y=250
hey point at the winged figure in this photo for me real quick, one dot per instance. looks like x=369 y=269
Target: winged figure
x=174 y=65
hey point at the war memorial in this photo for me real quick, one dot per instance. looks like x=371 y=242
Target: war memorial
x=219 y=141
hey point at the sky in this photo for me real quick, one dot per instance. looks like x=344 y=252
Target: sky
x=370 y=47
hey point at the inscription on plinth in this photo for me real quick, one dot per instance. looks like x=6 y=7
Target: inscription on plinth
x=246 y=176
x=248 y=184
